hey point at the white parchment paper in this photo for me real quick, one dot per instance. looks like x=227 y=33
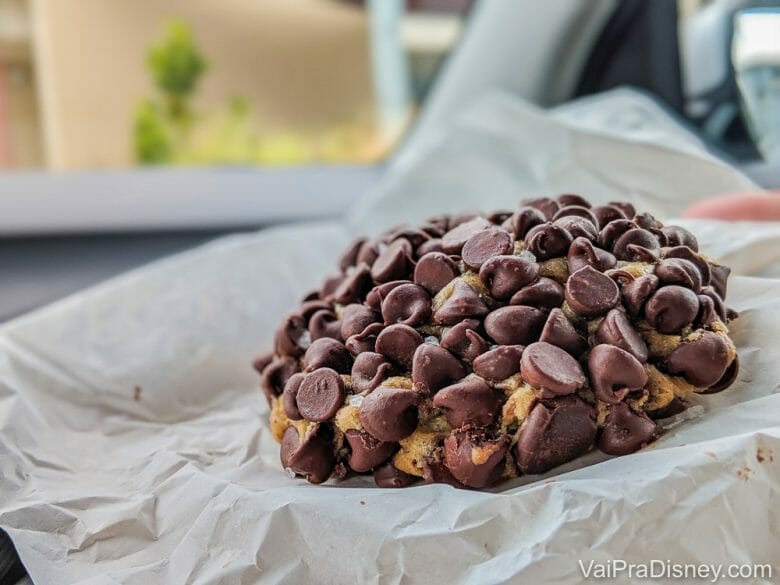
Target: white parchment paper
x=134 y=446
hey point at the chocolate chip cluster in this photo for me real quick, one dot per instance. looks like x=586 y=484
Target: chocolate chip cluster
x=476 y=348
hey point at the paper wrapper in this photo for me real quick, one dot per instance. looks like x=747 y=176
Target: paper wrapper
x=134 y=446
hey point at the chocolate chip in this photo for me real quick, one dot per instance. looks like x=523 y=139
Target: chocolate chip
x=646 y=221
x=289 y=334
x=546 y=366
x=612 y=231
x=505 y=275
x=389 y=414
x=548 y=241
x=364 y=341
x=548 y=207
x=330 y=285
x=676 y=406
x=327 y=353
x=559 y=331
x=474 y=460
x=607 y=213
x=626 y=247
x=431 y=246
x=707 y=313
x=567 y=199
x=324 y=323
x=624 y=206
x=261 y=362
x=625 y=431
x=498 y=217
x=583 y=253
x=276 y=374
x=355 y=318
x=679 y=271
x=686 y=253
x=398 y=343
x=435 y=471
x=671 y=308
x=369 y=371
x=514 y=325
x=289 y=396
x=433 y=368
x=544 y=293
x=468 y=402
x=556 y=431
x=464 y=341
x=614 y=373
x=393 y=262
x=354 y=286
x=309 y=308
x=463 y=303
x=320 y=394
x=349 y=257
x=524 y=219
x=312 y=458
x=636 y=293
x=616 y=329
x=377 y=295
x=387 y=476
x=367 y=254
x=726 y=380
x=434 y=271
x=408 y=304
x=484 y=245
x=578 y=227
x=415 y=237
x=453 y=241
x=499 y=363
x=701 y=361
x=678 y=236
x=719 y=279
x=590 y=292
x=366 y=451
x=577 y=211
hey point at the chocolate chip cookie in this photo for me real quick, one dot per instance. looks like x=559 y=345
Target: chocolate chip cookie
x=478 y=347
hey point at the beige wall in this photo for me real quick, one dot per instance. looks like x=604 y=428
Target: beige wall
x=303 y=65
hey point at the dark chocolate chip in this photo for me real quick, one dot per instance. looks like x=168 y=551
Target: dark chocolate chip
x=671 y=308
x=707 y=313
x=686 y=253
x=312 y=458
x=409 y=304
x=365 y=340
x=499 y=363
x=546 y=366
x=583 y=253
x=616 y=329
x=324 y=323
x=591 y=293
x=678 y=236
x=276 y=374
x=548 y=207
x=468 y=402
x=499 y=217
x=719 y=279
x=355 y=318
x=320 y=394
x=354 y=286
x=625 y=431
x=434 y=271
x=367 y=254
x=606 y=214
x=464 y=341
x=369 y=371
x=524 y=219
x=398 y=343
x=415 y=237
x=577 y=211
x=548 y=241
x=366 y=451
x=559 y=331
x=702 y=361
x=555 y=432
x=290 y=394
x=349 y=257
x=646 y=221
x=484 y=245
x=327 y=353
x=566 y=199
x=505 y=275
x=393 y=262
x=289 y=336
x=463 y=303
x=544 y=293
x=473 y=459
x=612 y=231
x=435 y=471
x=614 y=373
x=432 y=245
x=452 y=242
x=434 y=367
x=624 y=206
x=636 y=293
x=378 y=294
x=389 y=414
x=676 y=406
x=515 y=325
x=679 y=271
x=727 y=379
x=262 y=361
x=387 y=476
x=577 y=227
x=309 y=308
x=329 y=286
x=627 y=246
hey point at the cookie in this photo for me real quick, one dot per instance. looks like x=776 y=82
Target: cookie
x=476 y=348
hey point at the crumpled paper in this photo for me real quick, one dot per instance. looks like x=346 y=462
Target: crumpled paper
x=134 y=446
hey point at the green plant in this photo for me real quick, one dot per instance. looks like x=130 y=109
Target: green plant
x=152 y=139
